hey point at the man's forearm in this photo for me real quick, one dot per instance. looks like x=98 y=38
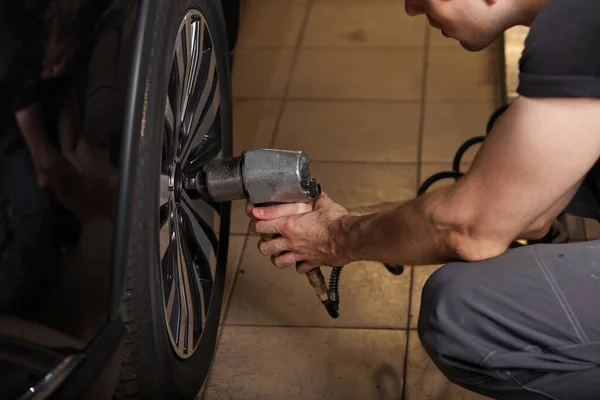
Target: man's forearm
x=376 y=208
x=398 y=234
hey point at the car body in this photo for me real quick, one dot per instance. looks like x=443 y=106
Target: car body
x=64 y=320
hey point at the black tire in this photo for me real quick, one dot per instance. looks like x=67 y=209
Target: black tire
x=151 y=369
x=232 y=21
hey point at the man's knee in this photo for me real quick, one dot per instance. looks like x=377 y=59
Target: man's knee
x=446 y=316
x=444 y=295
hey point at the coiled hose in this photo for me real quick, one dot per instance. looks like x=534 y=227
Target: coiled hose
x=332 y=306
x=334 y=294
x=456 y=173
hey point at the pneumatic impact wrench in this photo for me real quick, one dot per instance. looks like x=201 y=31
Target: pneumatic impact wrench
x=265 y=177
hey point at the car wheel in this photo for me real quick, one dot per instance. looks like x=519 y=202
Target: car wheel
x=178 y=241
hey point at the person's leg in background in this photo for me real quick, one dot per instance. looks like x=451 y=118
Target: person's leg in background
x=33 y=254
x=525 y=325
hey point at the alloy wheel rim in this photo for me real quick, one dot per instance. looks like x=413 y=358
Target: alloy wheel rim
x=189 y=225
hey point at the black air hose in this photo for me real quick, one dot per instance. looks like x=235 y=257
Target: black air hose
x=456 y=173
x=332 y=304
x=334 y=285
x=463 y=149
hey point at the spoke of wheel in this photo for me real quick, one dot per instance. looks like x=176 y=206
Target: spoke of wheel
x=199 y=133
x=202 y=241
x=164 y=193
x=190 y=246
x=195 y=38
x=204 y=212
x=209 y=149
x=180 y=54
x=203 y=117
x=171 y=132
x=168 y=252
x=203 y=305
x=197 y=41
x=185 y=336
x=208 y=86
x=169 y=118
x=165 y=238
x=201 y=101
x=187 y=38
x=171 y=299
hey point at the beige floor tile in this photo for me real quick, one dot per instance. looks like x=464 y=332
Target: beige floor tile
x=358 y=74
x=356 y=184
x=239 y=219
x=576 y=228
x=254 y=124
x=424 y=381
x=370 y=297
x=236 y=245
x=382 y=24
x=592 y=229
x=429 y=169
x=269 y=363
x=351 y=131
x=420 y=275
x=461 y=75
x=272 y=23
x=261 y=72
x=448 y=125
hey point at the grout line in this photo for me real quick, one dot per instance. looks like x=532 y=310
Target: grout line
x=361 y=100
x=290 y=99
x=419 y=158
x=423 y=106
x=222 y=318
x=347 y=48
x=335 y=48
x=408 y=330
x=233 y=283
x=288 y=83
x=283 y=326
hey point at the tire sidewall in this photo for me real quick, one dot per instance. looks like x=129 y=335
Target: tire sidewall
x=165 y=374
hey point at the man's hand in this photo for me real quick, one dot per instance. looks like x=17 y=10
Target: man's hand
x=305 y=233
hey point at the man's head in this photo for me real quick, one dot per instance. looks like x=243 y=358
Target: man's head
x=475 y=23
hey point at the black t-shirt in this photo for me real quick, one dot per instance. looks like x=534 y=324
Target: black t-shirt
x=561 y=59
x=562 y=51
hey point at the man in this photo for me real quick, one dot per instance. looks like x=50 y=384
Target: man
x=509 y=324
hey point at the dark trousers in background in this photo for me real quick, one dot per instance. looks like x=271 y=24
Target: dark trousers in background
x=33 y=253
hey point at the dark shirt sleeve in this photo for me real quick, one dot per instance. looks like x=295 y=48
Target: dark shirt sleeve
x=562 y=51
x=22 y=36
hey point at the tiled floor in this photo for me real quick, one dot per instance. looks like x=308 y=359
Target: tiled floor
x=379 y=101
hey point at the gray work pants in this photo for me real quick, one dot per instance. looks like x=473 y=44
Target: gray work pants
x=525 y=325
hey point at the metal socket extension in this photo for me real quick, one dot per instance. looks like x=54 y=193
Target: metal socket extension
x=222 y=179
